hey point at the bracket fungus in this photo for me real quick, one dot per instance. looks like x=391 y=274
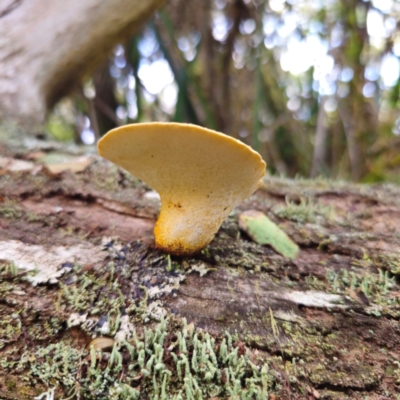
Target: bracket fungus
x=200 y=174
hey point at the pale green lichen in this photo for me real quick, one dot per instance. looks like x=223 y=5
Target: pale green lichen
x=390 y=262
x=8 y=269
x=10 y=328
x=187 y=365
x=374 y=286
x=396 y=372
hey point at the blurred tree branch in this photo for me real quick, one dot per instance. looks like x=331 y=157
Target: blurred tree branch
x=66 y=41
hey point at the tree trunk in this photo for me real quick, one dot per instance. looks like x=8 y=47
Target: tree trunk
x=319 y=164
x=78 y=262
x=46 y=47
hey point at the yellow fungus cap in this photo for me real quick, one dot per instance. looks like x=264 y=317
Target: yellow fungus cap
x=200 y=174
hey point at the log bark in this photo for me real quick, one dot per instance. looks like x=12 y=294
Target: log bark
x=326 y=324
x=47 y=47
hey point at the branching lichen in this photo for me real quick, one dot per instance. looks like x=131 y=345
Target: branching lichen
x=374 y=286
x=159 y=365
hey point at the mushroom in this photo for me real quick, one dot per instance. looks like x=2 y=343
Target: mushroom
x=200 y=174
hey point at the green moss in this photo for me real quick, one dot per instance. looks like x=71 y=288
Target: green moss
x=11 y=386
x=306 y=211
x=10 y=209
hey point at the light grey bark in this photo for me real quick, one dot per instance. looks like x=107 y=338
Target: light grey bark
x=47 y=46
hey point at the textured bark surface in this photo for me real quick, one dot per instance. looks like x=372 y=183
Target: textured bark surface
x=326 y=323
x=46 y=47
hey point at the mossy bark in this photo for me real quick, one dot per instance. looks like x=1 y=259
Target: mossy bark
x=325 y=323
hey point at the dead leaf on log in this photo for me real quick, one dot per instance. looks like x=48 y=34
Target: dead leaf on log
x=11 y=164
x=101 y=343
x=56 y=163
x=35 y=155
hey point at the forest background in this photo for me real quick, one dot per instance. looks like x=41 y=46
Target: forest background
x=312 y=85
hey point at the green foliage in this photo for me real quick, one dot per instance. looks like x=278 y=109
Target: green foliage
x=58 y=128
